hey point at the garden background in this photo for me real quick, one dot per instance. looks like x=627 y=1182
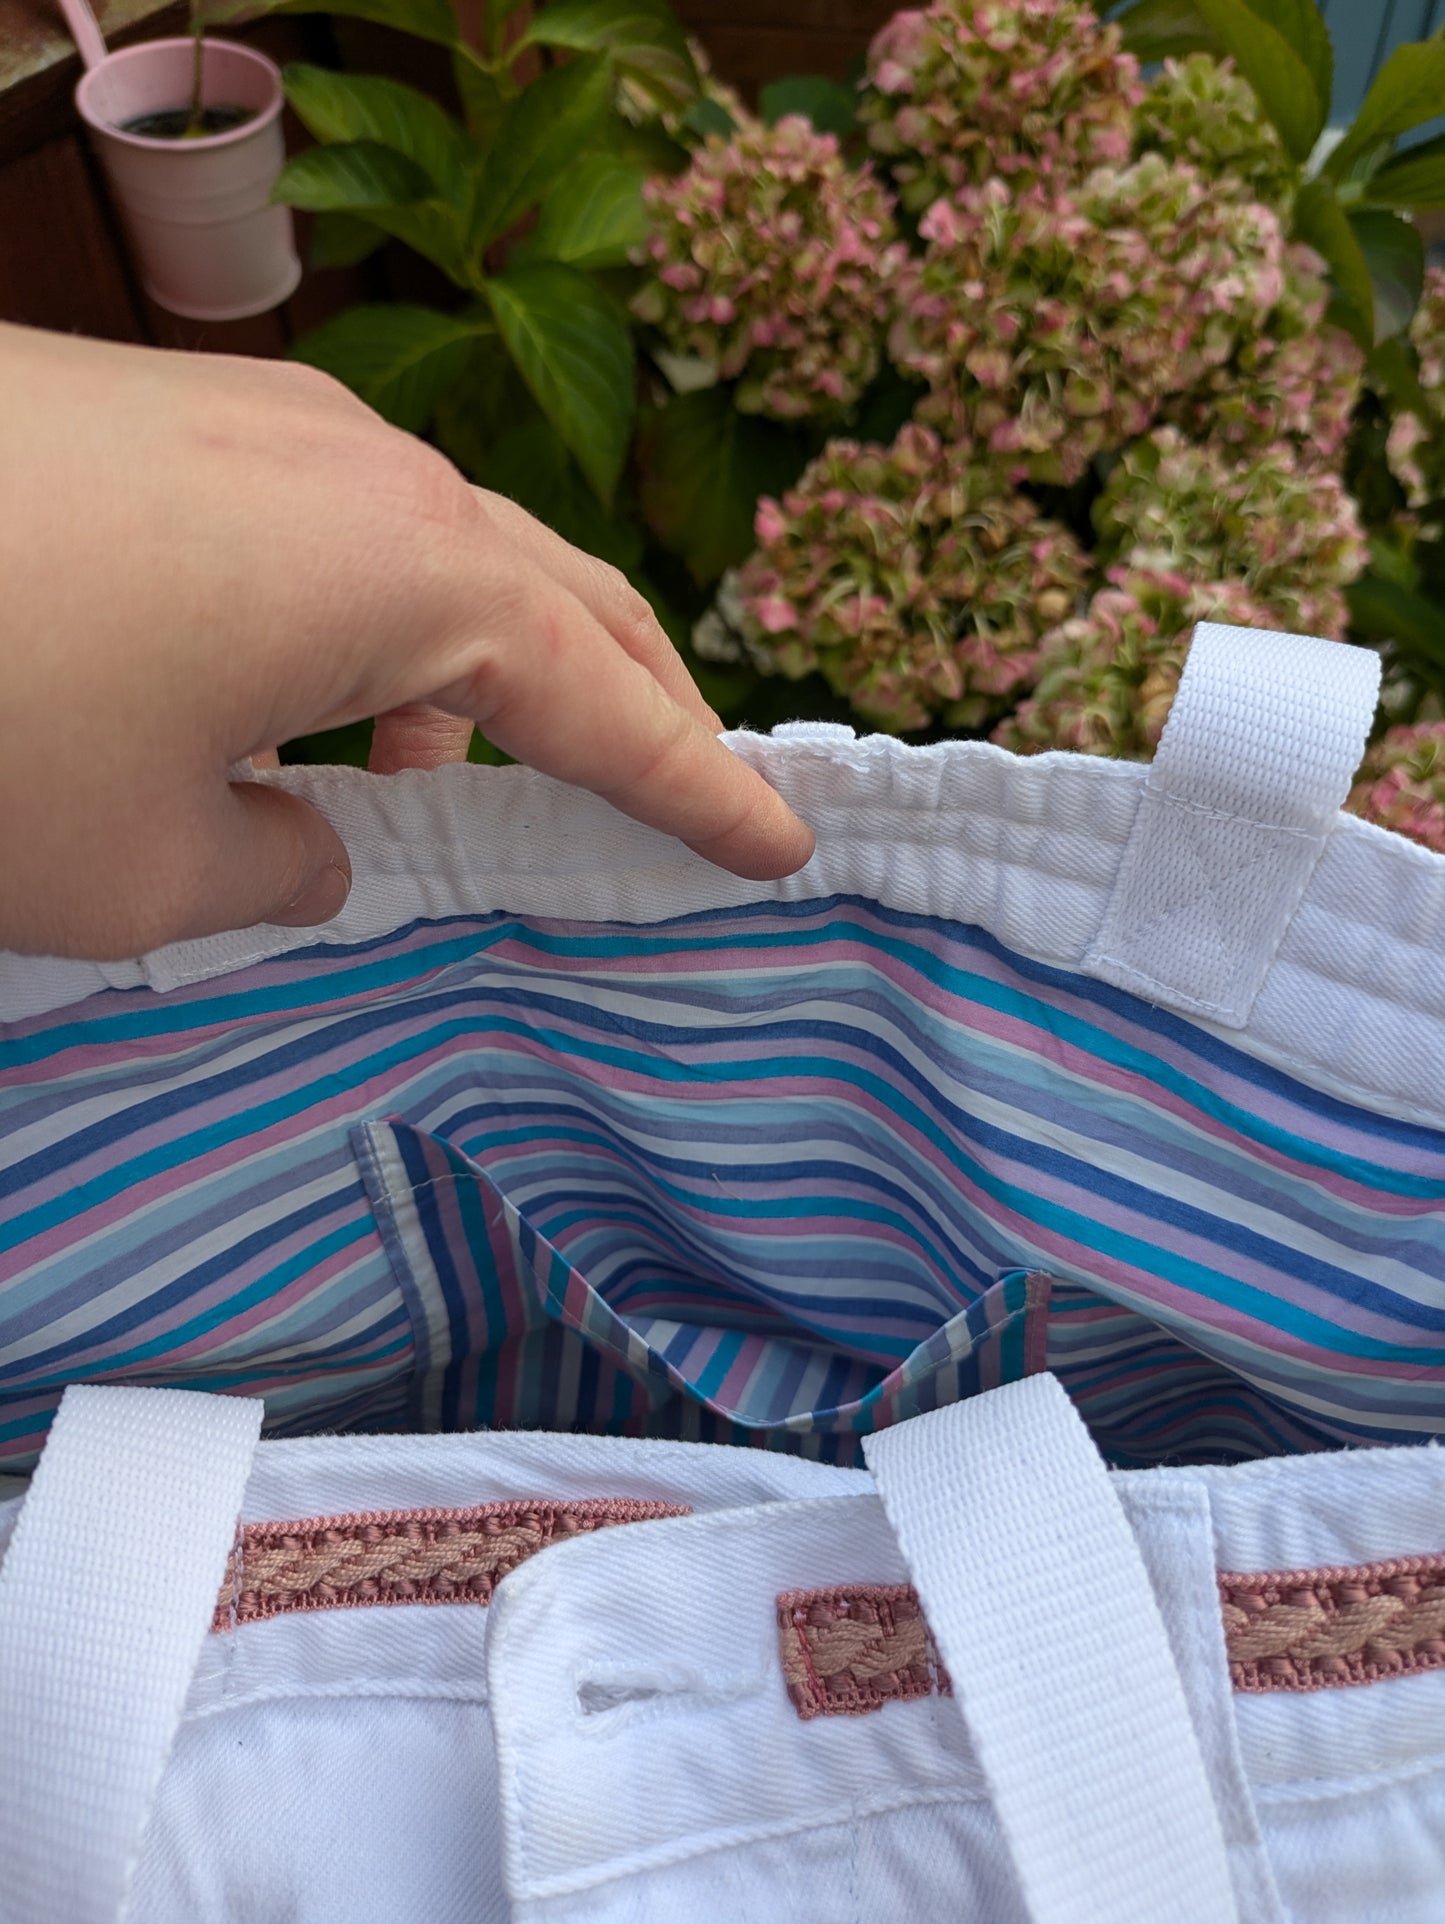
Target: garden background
x=940 y=390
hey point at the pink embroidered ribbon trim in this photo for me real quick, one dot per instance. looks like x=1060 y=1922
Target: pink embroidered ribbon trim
x=1320 y=1629
x=855 y=1647
x=403 y=1556
x=847 y=1651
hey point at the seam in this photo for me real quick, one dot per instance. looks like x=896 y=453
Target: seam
x=1174 y=800
x=682 y=1850
x=1321 y=1790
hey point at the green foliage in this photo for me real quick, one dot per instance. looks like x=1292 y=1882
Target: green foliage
x=341 y=240
x=1414 y=179
x=339 y=107
x=831 y=109
x=704 y=466
x=522 y=203
x=541 y=134
x=1407 y=91
x=574 y=350
x=352 y=174
x=640 y=39
x=541 y=383
x=427 y=19
x=595 y=218
x=1282 y=48
x=398 y=359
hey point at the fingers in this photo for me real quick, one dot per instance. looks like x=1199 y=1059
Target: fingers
x=574 y=705
x=266 y=856
x=607 y=595
x=418 y=736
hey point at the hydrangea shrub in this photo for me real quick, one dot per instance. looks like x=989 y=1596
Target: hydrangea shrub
x=774 y=266
x=1132 y=411
x=1416 y=446
x=1402 y=783
x=913 y=578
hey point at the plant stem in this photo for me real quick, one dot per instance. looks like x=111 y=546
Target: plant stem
x=196 y=125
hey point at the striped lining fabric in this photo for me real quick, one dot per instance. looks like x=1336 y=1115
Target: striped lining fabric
x=776 y=1174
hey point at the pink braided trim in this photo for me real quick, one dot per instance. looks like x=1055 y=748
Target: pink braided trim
x=854 y=1648
x=403 y=1556
x=1321 y=1629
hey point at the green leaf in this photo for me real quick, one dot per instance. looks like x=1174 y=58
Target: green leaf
x=1390 y=612
x=341 y=240
x=703 y=468
x=594 y=219
x=539 y=137
x=1408 y=89
x=706 y=117
x=350 y=107
x=1322 y=221
x=574 y=350
x=1394 y=369
x=830 y=108
x=1280 y=46
x=1394 y=253
x=641 y=38
x=1287 y=87
x=1415 y=178
x=1167 y=29
x=397 y=359
x=355 y=174
x=425 y=19
x=1302 y=25
x=483 y=101
x=531 y=464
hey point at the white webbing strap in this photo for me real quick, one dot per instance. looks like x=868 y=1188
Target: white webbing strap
x=106 y=1594
x=1256 y=759
x=1040 y=1605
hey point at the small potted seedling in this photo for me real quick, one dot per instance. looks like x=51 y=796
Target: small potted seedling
x=189 y=133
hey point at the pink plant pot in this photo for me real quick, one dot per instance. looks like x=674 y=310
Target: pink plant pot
x=207 y=240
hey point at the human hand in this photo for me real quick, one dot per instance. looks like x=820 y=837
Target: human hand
x=203 y=556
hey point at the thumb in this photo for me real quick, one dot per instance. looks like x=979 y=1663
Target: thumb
x=270 y=858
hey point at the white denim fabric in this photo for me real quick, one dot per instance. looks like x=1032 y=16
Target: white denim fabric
x=612 y=1738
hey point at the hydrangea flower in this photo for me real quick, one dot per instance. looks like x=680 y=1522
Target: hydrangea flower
x=774 y=262
x=1201 y=111
x=1051 y=323
x=969 y=90
x=1107 y=678
x=1289 y=534
x=1401 y=783
x=1416 y=447
x=913 y=577
x=1296 y=380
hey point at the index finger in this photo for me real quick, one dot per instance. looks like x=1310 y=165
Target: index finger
x=549 y=685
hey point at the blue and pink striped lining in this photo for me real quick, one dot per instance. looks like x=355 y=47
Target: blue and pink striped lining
x=773 y=1174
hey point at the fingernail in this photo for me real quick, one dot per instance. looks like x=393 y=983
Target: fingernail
x=323 y=896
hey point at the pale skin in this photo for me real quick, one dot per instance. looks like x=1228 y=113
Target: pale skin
x=204 y=556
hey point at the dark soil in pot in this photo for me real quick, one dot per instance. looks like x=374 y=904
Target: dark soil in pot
x=174 y=123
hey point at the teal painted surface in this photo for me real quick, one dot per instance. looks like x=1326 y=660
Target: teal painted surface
x=1365 y=33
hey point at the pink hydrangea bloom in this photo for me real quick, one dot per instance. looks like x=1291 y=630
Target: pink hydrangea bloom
x=1401 y=783
x=919 y=581
x=1201 y=111
x=972 y=89
x=1295 y=381
x=1107 y=678
x=774 y=261
x=1289 y=534
x=1052 y=322
x=1416 y=445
